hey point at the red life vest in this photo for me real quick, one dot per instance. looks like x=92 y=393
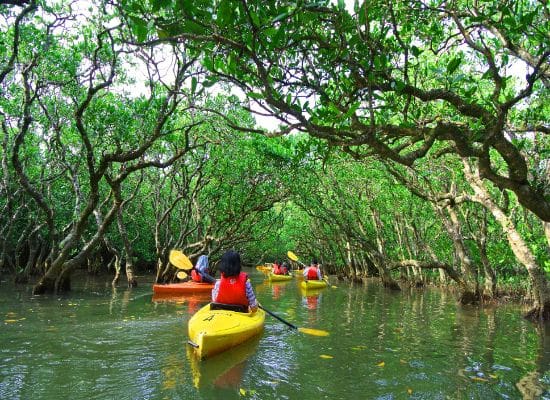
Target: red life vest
x=312 y=274
x=277 y=270
x=196 y=276
x=232 y=290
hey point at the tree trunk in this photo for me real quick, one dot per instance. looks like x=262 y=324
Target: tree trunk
x=469 y=289
x=117 y=266
x=547 y=231
x=537 y=276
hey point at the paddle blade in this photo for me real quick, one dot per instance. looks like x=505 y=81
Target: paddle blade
x=181 y=275
x=313 y=332
x=180 y=260
x=292 y=256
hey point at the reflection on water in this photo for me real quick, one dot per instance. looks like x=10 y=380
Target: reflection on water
x=101 y=343
x=224 y=370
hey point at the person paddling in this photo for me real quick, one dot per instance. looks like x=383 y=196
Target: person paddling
x=200 y=272
x=313 y=272
x=234 y=287
x=277 y=268
x=285 y=268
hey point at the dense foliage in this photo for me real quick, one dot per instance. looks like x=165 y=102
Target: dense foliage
x=412 y=141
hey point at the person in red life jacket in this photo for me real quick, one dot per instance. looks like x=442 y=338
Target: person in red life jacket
x=233 y=287
x=277 y=268
x=200 y=272
x=313 y=272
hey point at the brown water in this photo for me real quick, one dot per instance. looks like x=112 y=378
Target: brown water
x=96 y=343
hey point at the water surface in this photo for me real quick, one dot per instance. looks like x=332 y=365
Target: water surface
x=100 y=343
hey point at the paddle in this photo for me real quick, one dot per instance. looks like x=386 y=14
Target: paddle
x=180 y=260
x=181 y=275
x=308 y=331
x=294 y=257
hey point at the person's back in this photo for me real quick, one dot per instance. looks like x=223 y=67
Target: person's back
x=233 y=287
x=200 y=272
x=313 y=272
x=277 y=269
x=285 y=269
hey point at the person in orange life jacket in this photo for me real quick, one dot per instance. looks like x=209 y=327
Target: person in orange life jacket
x=200 y=272
x=233 y=287
x=277 y=269
x=313 y=272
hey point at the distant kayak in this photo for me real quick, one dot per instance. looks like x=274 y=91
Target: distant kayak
x=264 y=268
x=298 y=273
x=279 y=278
x=313 y=284
x=212 y=331
x=182 y=288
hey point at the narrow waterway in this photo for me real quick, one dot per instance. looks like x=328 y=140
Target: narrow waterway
x=96 y=343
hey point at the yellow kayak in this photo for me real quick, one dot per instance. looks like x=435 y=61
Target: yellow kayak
x=213 y=331
x=313 y=284
x=264 y=268
x=279 y=278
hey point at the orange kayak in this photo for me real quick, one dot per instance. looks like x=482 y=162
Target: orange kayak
x=182 y=288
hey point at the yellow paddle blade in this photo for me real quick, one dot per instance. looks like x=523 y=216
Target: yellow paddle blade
x=181 y=275
x=314 y=332
x=292 y=256
x=180 y=260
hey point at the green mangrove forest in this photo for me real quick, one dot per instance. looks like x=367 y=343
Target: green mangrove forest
x=406 y=140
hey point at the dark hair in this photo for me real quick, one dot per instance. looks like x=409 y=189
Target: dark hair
x=314 y=261
x=230 y=264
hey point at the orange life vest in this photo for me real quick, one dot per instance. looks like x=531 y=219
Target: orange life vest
x=232 y=290
x=196 y=276
x=312 y=274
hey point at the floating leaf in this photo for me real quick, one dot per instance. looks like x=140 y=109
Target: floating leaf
x=242 y=392
x=325 y=356
x=381 y=364
x=478 y=379
x=314 y=332
x=403 y=361
x=409 y=391
x=10 y=321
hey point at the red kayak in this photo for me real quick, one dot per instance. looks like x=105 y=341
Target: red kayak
x=183 y=288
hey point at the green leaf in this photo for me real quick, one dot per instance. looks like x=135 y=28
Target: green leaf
x=193 y=84
x=280 y=17
x=225 y=12
x=189 y=26
x=162 y=34
x=415 y=51
x=352 y=109
x=257 y=96
x=210 y=81
x=453 y=64
x=160 y=4
x=139 y=27
x=255 y=19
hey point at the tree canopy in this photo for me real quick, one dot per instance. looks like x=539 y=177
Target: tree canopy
x=412 y=140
